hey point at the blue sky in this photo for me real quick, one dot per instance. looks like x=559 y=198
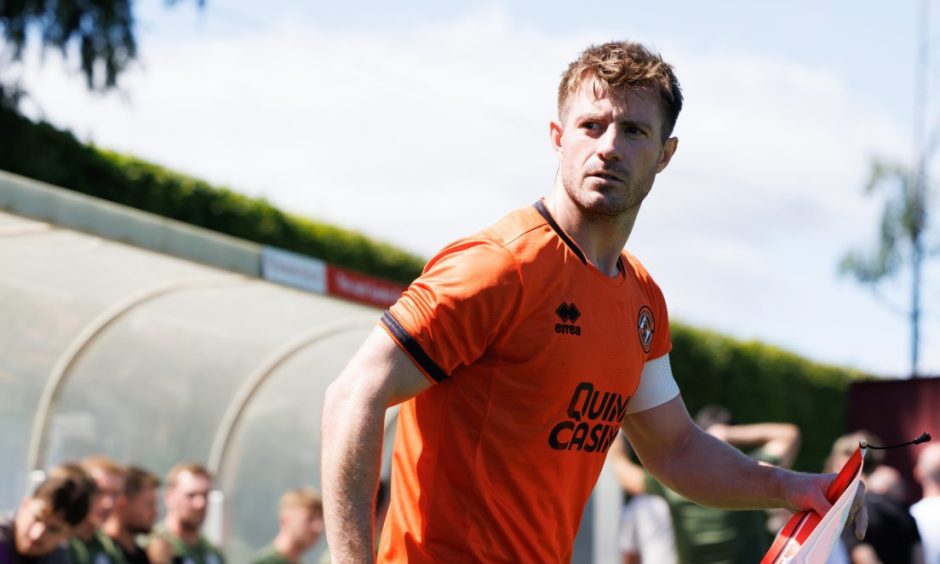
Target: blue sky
x=421 y=123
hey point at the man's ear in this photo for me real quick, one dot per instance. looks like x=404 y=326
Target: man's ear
x=555 y=132
x=669 y=149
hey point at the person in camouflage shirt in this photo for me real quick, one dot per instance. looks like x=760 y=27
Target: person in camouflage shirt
x=88 y=544
x=178 y=539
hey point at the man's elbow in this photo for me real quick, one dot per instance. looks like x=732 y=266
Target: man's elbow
x=791 y=433
x=338 y=401
x=787 y=435
x=335 y=395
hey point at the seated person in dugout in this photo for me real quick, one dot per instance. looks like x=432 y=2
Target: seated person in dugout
x=38 y=531
x=89 y=545
x=179 y=537
x=300 y=524
x=135 y=515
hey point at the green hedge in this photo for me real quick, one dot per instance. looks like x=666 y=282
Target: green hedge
x=40 y=151
x=757 y=382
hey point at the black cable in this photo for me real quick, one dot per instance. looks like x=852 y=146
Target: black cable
x=923 y=438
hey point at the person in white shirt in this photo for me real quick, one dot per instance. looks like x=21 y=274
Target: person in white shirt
x=927 y=511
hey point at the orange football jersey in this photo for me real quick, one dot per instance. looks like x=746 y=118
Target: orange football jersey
x=535 y=354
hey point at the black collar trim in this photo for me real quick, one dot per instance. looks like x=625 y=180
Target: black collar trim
x=543 y=211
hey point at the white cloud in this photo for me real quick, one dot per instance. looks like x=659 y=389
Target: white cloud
x=424 y=137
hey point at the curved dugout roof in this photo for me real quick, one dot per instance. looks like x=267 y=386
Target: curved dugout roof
x=152 y=359
x=154 y=342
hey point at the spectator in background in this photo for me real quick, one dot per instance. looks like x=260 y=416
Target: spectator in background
x=886 y=480
x=135 y=514
x=89 y=545
x=892 y=536
x=300 y=524
x=708 y=535
x=36 y=533
x=645 y=534
x=187 y=503
x=927 y=511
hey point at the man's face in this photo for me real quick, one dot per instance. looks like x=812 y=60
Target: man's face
x=38 y=530
x=188 y=499
x=302 y=524
x=110 y=487
x=140 y=512
x=610 y=148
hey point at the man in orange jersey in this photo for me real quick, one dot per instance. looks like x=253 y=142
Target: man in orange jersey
x=522 y=350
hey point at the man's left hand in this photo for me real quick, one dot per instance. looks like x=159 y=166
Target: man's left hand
x=808 y=492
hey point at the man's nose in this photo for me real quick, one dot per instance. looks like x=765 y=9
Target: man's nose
x=608 y=145
x=36 y=531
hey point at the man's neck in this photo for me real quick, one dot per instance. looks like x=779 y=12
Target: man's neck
x=117 y=531
x=85 y=532
x=931 y=490
x=189 y=537
x=600 y=238
x=287 y=548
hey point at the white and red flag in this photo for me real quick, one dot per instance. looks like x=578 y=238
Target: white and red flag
x=808 y=538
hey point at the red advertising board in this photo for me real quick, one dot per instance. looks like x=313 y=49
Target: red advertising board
x=354 y=286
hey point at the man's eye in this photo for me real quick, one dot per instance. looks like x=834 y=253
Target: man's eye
x=634 y=130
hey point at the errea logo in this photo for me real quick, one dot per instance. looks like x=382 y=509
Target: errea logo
x=568 y=314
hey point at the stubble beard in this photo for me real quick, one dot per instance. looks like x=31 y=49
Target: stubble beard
x=192 y=525
x=138 y=528
x=609 y=202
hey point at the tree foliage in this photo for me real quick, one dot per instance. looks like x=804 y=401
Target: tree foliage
x=903 y=238
x=41 y=151
x=100 y=32
x=902 y=228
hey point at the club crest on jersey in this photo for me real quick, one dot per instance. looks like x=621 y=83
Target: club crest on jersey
x=646 y=326
x=568 y=314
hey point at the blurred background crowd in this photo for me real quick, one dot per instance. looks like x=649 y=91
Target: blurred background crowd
x=98 y=511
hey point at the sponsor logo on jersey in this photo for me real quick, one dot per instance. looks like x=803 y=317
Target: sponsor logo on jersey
x=646 y=326
x=593 y=420
x=568 y=314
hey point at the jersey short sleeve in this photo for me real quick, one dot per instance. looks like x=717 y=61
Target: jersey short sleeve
x=653 y=318
x=457 y=307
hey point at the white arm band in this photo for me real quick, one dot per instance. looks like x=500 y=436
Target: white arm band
x=657 y=386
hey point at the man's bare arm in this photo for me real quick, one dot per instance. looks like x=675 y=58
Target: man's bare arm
x=710 y=472
x=378 y=376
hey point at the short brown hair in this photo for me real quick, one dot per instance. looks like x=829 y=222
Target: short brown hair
x=67 y=494
x=622 y=65
x=193 y=468
x=307 y=498
x=74 y=471
x=846 y=445
x=137 y=479
x=101 y=463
